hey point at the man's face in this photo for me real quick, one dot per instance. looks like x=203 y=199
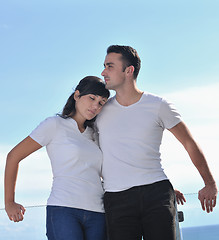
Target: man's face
x=113 y=73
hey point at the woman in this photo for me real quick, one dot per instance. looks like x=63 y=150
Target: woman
x=75 y=207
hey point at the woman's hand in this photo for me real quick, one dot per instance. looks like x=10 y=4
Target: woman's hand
x=180 y=199
x=15 y=211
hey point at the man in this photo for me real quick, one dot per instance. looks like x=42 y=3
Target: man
x=139 y=199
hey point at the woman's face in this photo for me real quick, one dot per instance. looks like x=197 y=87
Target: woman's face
x=88 y=106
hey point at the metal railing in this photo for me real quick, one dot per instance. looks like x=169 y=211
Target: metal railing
x=196 y=225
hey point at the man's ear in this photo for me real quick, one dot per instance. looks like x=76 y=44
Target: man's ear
x=76 y=95
x=130 y=69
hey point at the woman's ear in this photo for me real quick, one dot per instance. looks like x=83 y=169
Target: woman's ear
x=76 y=95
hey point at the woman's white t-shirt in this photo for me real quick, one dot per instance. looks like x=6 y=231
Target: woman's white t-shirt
x=76 y=162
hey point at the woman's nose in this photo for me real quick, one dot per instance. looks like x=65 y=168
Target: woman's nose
x=96 y=105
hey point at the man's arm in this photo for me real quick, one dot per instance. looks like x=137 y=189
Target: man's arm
x=208 y=194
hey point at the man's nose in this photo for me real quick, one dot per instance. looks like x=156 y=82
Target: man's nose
x=103 y=72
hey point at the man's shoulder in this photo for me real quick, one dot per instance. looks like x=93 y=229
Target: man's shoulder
x=147 y=96
x=107 y=110
x=111 y=100
x=109 y=103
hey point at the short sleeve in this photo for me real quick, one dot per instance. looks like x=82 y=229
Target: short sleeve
x=45 y=131
x=168 y=115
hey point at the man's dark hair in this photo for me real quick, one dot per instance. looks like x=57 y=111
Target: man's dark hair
x=129 y=57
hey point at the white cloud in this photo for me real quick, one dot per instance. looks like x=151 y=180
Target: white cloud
x=199 y=108
x=197 y=104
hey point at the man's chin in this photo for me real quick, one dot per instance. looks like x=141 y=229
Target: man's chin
x=108 y=87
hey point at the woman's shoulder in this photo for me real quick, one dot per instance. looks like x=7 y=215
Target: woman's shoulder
x=45 y=131
x=51 y=120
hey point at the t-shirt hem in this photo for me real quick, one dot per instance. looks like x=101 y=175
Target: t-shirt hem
x=134 y=185
x=78 y=207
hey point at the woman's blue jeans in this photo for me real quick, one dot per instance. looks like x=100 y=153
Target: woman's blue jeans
x=65 y=223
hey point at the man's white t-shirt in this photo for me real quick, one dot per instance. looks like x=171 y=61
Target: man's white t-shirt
x=130 y=139
x=76 y=162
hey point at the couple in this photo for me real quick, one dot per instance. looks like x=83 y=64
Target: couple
x=139 y=200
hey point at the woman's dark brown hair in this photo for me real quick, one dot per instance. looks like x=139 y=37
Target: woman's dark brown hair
x=88 y=85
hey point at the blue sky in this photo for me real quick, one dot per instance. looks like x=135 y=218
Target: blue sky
x=46 y=47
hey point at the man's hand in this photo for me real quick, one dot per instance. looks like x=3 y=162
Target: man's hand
x=208 y=196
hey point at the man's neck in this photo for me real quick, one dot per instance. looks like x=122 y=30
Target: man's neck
x=128 y=96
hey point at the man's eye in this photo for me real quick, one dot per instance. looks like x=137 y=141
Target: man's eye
x=101 y=104
x=92 y=98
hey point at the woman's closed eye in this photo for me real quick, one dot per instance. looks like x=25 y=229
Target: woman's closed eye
x=92 y=98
